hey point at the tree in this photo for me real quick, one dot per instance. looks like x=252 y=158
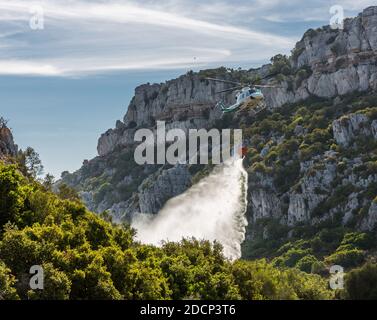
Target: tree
x=33 y=162
x=146 y=281
x=361 y=283
x=346 y=258
x=280 y=64
x=67 y=193
x=260 y=280
x=48 y=181
x=7 y=281
x=30 y=163
x=94 y=282
x=57 y=285
x=12 y=194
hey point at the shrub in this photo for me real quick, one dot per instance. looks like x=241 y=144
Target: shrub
x=261 y=167
x=57 y=285
x=306 y=263
x=13 y=194
x=301 y=75
x=260 y=280
x=290 y=258
x=7 y=281
x=308 y=151
x=358 y=240
x=280 y=65
x=319 y=267
x=309 y=286
x=347 y=258
x=361 y=283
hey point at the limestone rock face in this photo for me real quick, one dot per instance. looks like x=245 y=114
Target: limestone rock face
x=302 y=204
x=160 y=187
x=348 y=127
x=107 y=142
x=186 y=102
x=153 y=193
x=370 y=221
x=341 y=61
x=369 y=24
x=264 y=204
x=319 y=175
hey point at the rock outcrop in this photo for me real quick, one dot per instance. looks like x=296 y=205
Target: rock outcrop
x=161 y=186
x=303 y=203
x=347 y=128
x=370 y=221
x=340 y=62
x=186 y=102
x=7 y=146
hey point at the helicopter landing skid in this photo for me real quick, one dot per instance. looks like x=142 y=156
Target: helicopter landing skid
x=254 y=108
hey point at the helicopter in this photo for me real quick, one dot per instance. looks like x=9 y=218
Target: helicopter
x=246 y=94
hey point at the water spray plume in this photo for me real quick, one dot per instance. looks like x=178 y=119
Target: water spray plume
x=213 y=209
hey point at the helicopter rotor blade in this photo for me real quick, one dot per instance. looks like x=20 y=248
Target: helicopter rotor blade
x=265 y=86
x=224 y=81
x=230 y=89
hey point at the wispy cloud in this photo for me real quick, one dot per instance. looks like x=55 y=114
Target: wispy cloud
x=19 y=67
x=84 y=36
x=291 y=11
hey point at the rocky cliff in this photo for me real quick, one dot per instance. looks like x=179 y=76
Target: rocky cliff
x=328 y=63
x=186 y=102
x=312 y=151
x=7 y=146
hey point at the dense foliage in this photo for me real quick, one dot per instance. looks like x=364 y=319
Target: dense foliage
x=86 y=256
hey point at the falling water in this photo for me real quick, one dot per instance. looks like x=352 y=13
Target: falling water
x=213 y=209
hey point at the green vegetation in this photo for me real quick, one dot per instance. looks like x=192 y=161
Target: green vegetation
x=314 y=250
x=7 y=281
x=30 y=163
x=346 y=258
x=280 y=65
x=87 y=257
x=361 y=283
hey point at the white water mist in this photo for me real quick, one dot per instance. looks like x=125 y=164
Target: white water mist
x=213 y=209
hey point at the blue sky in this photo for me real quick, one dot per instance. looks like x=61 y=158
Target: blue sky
x=63 y=85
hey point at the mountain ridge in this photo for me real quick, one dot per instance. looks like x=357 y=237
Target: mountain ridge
x=339 y=62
